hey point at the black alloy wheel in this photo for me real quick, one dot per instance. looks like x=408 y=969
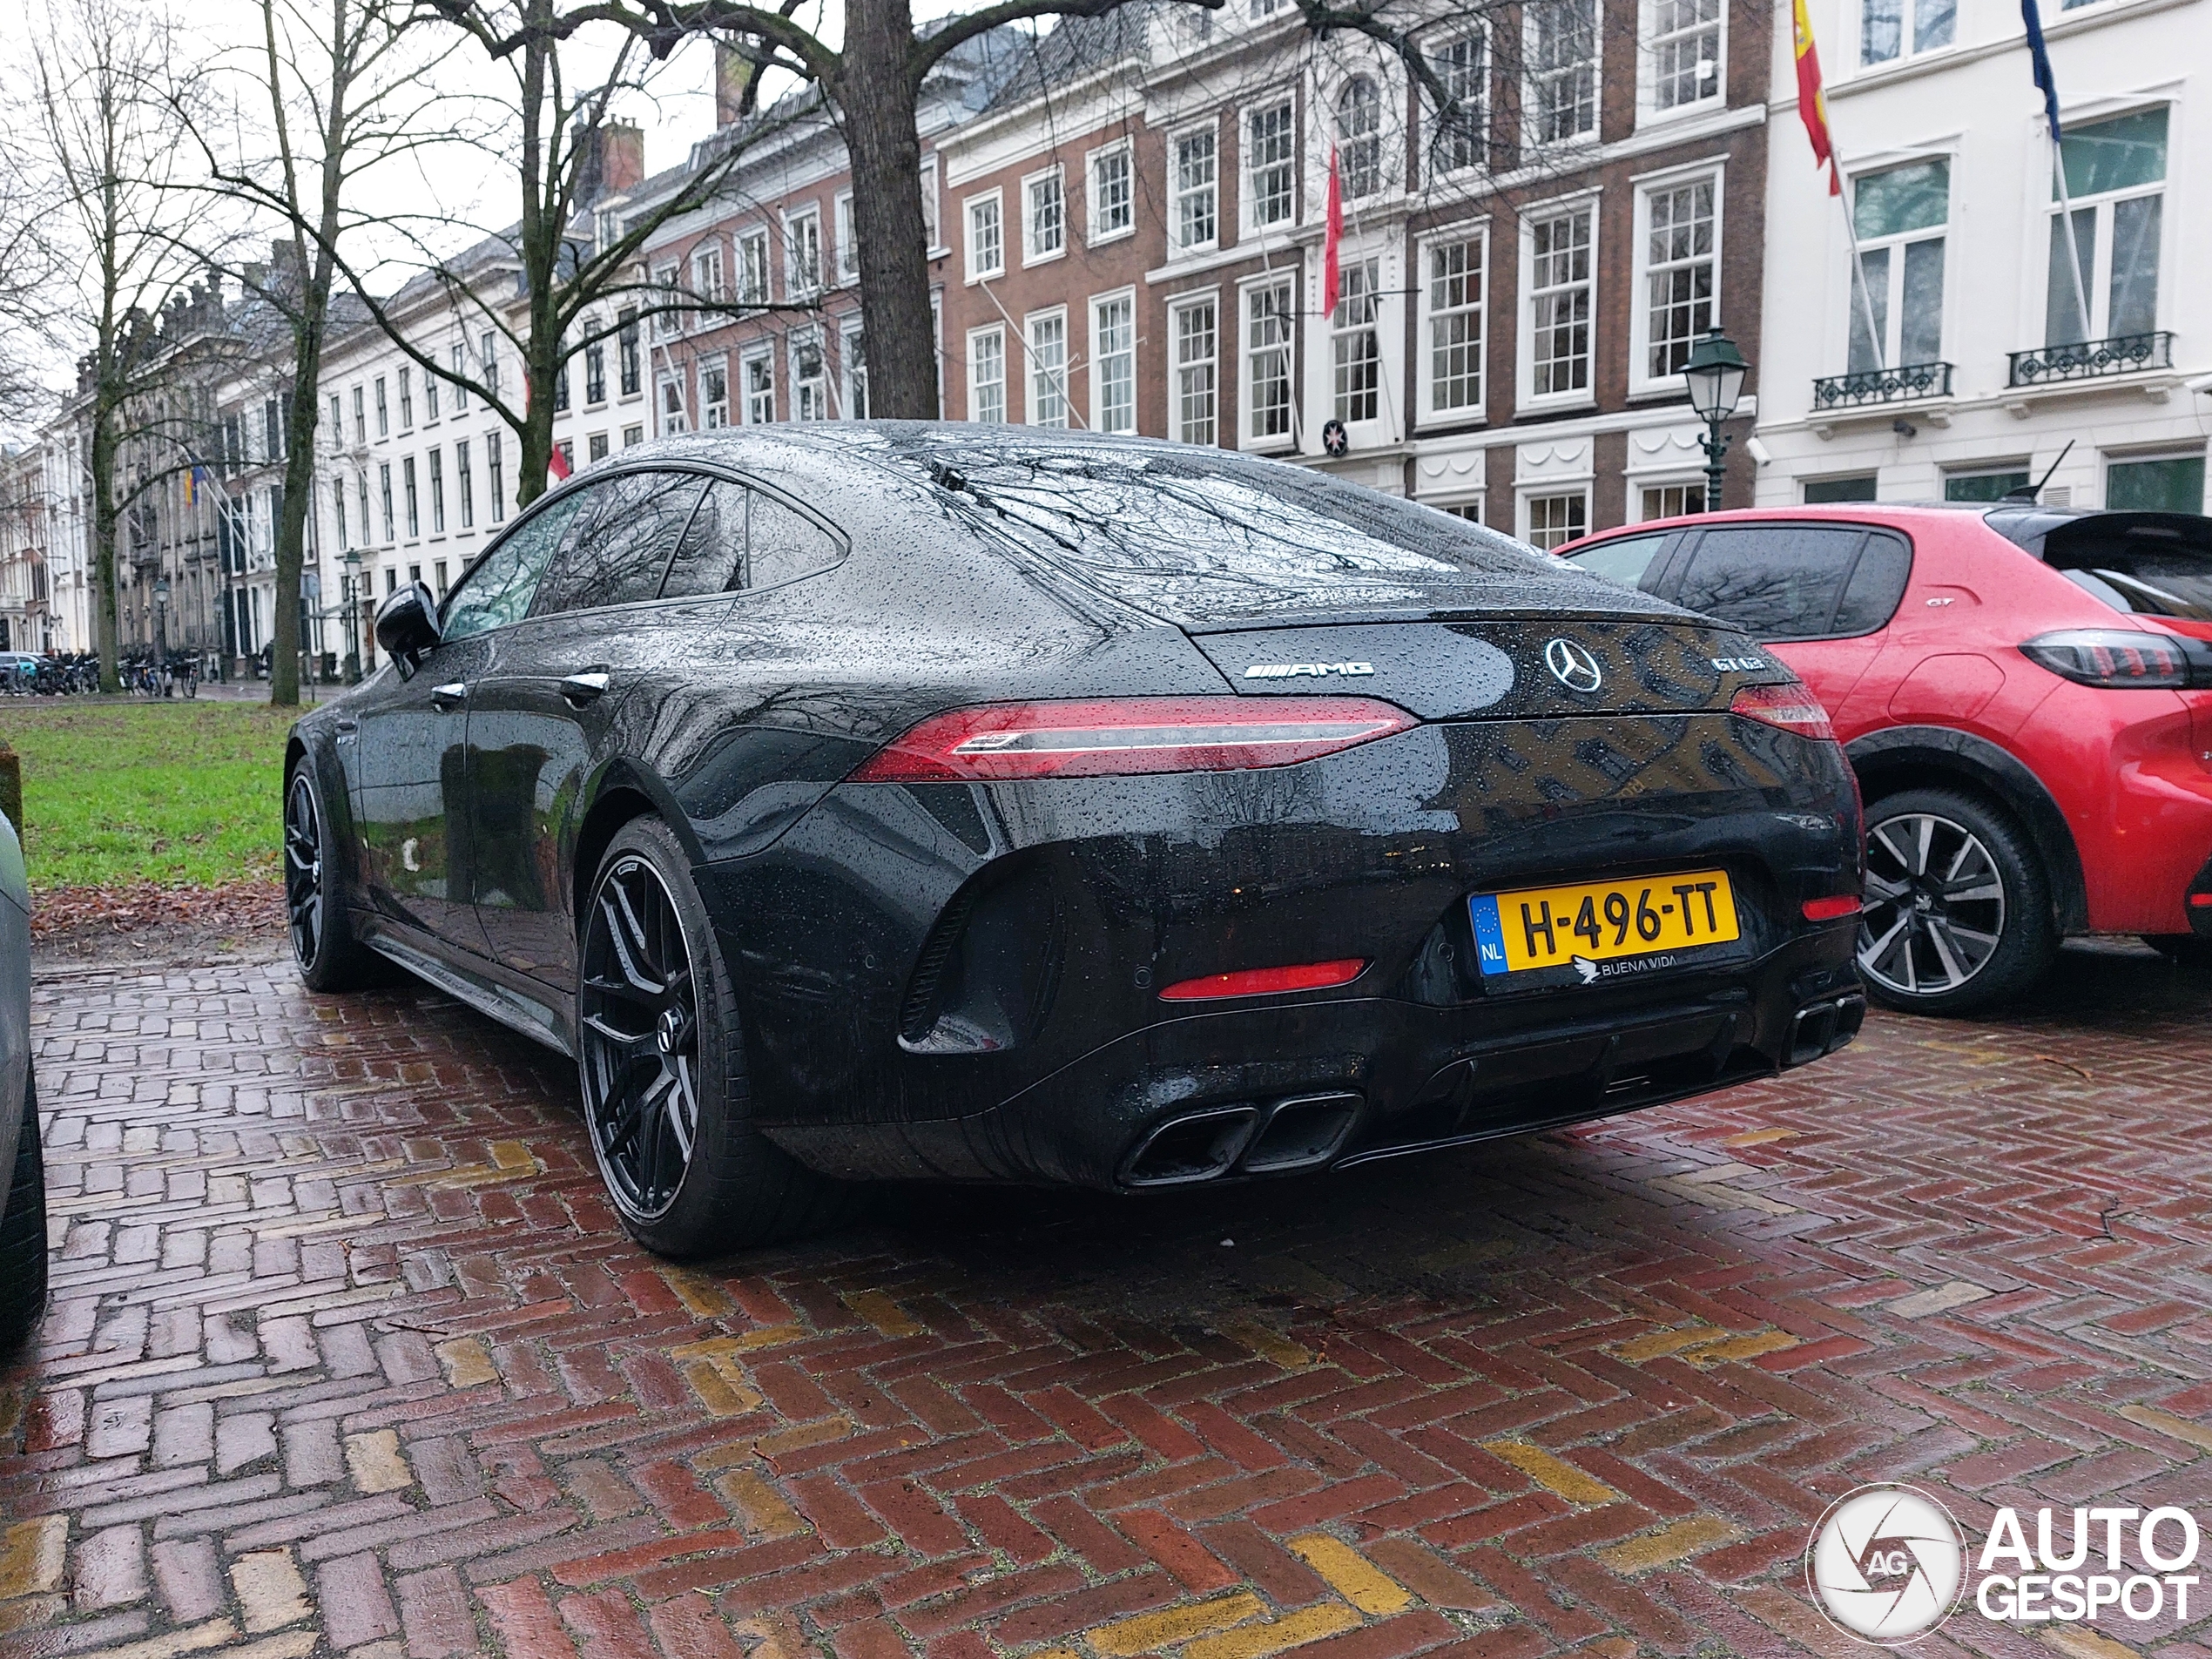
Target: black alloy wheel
x=1958 y=912
x=303 y=895
x=637 y=1009
x=330 y=958
x=661 y=1060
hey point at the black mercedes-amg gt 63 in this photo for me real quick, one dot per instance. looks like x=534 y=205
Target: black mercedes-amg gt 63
x=983 y=803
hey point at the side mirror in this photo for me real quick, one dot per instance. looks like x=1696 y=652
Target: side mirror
x=407 y=627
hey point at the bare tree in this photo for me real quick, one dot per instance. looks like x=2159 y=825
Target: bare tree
x=333 y=88
x=571 y=267
x=107 y=93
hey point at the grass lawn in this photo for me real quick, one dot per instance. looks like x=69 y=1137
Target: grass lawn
x=182 y=792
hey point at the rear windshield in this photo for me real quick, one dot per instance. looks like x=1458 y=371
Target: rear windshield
x=2151 y=564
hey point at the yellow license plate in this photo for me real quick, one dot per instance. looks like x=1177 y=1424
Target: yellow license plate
x=1595 y=923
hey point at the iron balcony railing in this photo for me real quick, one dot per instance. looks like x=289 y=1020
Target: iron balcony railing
x=1897 y=385
x=2089 y=359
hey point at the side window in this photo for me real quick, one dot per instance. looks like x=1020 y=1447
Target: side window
x=1632 y=560
x=500 y=589
x=619 y=556
x=1875 y=588
x=783 y=545
x=710 y=558
x=1773 y=581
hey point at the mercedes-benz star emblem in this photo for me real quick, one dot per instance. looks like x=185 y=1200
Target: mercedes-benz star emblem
x=1573 y=667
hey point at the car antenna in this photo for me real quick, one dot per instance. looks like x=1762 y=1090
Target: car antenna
x=2029 y=497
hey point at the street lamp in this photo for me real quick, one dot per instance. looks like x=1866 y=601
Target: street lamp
x=161 y=616
x=1714 y=374
x=345 y=611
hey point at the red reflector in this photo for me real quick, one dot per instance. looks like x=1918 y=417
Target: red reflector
x=1122 y=735
x=1844 y=904
x=2201 y=901
x=1791 y=707
x=1263 y=981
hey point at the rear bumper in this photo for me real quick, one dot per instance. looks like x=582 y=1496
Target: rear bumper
x=1405 y=1078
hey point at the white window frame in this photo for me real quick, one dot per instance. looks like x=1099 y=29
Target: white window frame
x=754 y=258
x=1284 y=283
x=994 y=199
x=805 y=221
x=849 y=247
x=1641 y=381
x=1178 y=366
x=1038 y=377
x=667 y=325
x=1908 y=35
x=995 y=333
x=814 y=390
x=1458 y=502
x=852 y=367
x=679 y=420
x=1432 y=118
x=713 y=413
x=757 y=375
x=1034 y=252
x=1529 y=73
x=933 y=217
x=1248 y=193
x=1178 y=248
x=1648 y=109
x=1094 y=197
x=1638 y=483
x=2101 y=207
x=1525 y=395
x=1100 y=357
x=1890 y=348
x=1425 y=405
x=1385 y=184
x=1528 y=494
x=706 y=279
x=1378 y=325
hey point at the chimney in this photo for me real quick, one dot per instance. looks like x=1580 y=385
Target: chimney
x=612 y=160
x=732 y=74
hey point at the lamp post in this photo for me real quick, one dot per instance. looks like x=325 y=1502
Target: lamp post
x=161 y=617
x=352 y=622
x=1714 y=374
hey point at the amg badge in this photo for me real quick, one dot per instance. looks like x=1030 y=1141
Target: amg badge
x=1317 y=670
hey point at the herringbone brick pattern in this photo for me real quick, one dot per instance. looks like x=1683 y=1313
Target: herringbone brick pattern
x=348 y=1356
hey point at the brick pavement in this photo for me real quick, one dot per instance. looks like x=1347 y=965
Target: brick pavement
x=348 y=1356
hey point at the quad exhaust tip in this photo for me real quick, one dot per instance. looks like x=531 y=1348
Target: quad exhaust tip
x=1299 y=1132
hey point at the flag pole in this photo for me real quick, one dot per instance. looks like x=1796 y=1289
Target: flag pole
x=1848 y=203
x=2072 y=242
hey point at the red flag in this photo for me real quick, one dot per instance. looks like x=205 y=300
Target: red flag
x=1331 y=238
x=558 y=463
x=1812 y=103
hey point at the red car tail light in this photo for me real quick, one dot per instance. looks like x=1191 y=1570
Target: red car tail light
x=1263 y=981
x=1120 y=736
x=2111 y=658
x=1791 y=707
x=1833 y=909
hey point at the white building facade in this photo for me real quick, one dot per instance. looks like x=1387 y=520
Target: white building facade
x=1970 y=366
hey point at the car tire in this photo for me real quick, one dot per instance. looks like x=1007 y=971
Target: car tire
x=2183 y=950
x=23 y=1235
x=660 y=1058
x=1957 y=915
x=330 y=958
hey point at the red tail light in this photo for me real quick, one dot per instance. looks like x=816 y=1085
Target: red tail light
x=2111 y=657
x=1127 y=735
x=1835 y=910
x=1791 y=707
x=1262 y=981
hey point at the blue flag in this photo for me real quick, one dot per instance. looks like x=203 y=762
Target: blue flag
x=2041 y=54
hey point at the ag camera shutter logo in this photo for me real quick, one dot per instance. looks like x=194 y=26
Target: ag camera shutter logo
x=1887 y=1564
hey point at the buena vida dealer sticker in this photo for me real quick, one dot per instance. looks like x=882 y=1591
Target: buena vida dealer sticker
x=1887 y=1564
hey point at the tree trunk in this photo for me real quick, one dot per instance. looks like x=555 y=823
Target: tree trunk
x=875 y=91
x=101 y=458
x=540 y=363
x=298 y=502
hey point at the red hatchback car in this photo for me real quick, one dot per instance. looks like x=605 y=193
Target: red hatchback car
x=2026 y=695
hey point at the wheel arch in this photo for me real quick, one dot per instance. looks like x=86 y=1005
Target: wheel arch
x=620 y=794
x=314 y=750
x=1937 y=756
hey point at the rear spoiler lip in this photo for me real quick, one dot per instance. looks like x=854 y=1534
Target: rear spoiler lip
x=1664 y=613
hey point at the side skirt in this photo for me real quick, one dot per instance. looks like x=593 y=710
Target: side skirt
x=509 y=1006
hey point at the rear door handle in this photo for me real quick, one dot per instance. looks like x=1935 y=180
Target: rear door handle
x=446 y=697
x=580 y=689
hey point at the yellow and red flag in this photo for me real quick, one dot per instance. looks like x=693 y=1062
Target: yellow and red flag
x=1812 y=103
x=1332 y=239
